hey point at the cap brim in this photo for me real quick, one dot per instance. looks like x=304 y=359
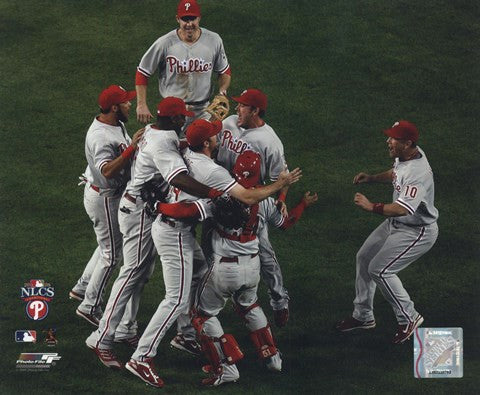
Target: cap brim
x=217 y=126
x=238 y=99
x=131 y=95
x=189 y=113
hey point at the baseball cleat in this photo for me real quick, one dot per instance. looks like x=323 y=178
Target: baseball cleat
x=274 y=363
x=191 y=346
x=88 y=317
x=145 y=371
x=215 y=381
x=350 y=324
x=107 y=357
x=75 y=295
x=281 y=317
x=130 y=341
x=405 y=331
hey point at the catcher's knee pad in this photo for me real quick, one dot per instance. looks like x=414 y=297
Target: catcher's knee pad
x=263 y=342
x=243 y=311
x=198 y=319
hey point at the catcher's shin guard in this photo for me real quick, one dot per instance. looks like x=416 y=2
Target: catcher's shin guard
x=230 y=349
x=220 y=350
x=263 y=342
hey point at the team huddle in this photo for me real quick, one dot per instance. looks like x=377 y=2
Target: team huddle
x=190 y=168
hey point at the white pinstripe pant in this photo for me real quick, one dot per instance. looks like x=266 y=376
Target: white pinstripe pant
x=390 y=248
x=177 y=248
x=103 y=211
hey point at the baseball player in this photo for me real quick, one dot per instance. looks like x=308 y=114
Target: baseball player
x=108 y=150
x=185 y=59
x=409 y=231
x=248 y=131
x=176 y=243
x=221 y=349
x=158 y=161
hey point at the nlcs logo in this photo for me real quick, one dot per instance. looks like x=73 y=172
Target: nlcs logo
x=37 y=294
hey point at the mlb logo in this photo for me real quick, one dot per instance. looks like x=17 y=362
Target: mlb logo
x=24 y=336
x=37 y=283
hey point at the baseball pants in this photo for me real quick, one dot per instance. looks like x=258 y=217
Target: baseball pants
x=82 y=283
x=390 y=248
x=119 y=318
x=103 y=211
x=271 y=272
x=177 y=247
x=235 y=280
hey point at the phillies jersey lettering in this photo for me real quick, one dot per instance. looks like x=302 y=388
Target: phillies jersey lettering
x=413 y=189
x=233 y=143
x=157 y=157
x=104 y=143
x=185 y=70
x=233 y=140
x=185 y=66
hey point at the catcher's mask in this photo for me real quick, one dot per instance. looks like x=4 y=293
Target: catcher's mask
x=247 y=169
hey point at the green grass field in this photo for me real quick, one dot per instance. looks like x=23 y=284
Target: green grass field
x=336 y=73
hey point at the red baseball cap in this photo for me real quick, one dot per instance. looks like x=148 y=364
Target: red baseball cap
x=253 y=97
x=247 y=169
x=403 y=130
x=114 y=94
x=171 y=106
x=201 y=130
x=188 y=8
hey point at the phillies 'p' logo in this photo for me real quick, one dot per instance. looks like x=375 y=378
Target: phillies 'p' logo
x=187 y=6
x=37 y=310
x=37 y=293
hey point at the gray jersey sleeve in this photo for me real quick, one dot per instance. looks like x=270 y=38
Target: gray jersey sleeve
x=272 y=215
x=275 y=160
x=102 y=152
x=205 y=207
x=168 y=159
x=220 y=179
x=412 y=192
x=154 y=58
x=220 y=61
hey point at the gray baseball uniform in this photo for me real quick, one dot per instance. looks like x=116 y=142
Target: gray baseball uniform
x=103 y=143
x=398 y=242
x=181 y=256
x=235 y=274
x=185 y=70
x=263 y=140
x=158 y=158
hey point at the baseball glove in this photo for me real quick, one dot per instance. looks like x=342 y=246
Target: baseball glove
x=152 y=192
x=218 y=108
x=230 y=213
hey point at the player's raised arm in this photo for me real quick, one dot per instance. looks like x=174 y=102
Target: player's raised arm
x=252 y=196
x=384 y=178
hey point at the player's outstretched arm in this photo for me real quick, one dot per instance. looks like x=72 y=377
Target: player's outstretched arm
x=178 y=210
x=191 y=186
x=296 y=212
x=388 y=210
x=253 y=196
x=385 y=177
